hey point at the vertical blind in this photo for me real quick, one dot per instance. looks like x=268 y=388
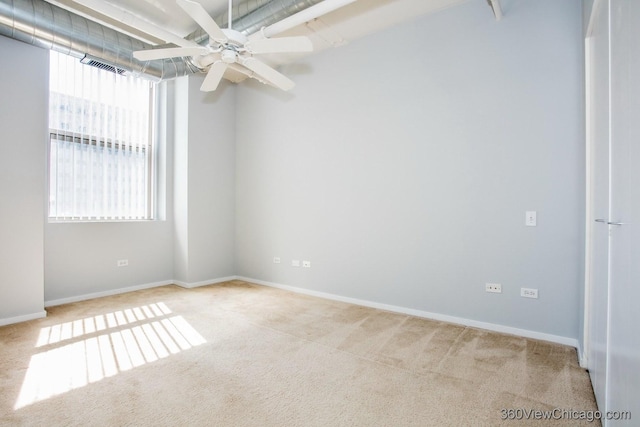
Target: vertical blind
x=100 y=156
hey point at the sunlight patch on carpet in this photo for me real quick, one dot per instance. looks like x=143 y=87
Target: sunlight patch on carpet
x=80 y=352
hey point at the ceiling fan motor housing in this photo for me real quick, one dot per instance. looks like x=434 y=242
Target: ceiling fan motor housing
x=235 y=38
x=229 y=56
x=228 y=48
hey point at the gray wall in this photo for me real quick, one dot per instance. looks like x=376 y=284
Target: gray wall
x=23 y=88
x=180 y=179
x=403 y=164
x=58 y=262
x=193 y=242
x=81 y=258
x=204 y=202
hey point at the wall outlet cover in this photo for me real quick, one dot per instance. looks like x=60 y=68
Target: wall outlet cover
x=495 y=288
x=531 y=219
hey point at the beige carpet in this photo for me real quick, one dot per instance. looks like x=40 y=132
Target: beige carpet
x=238 y=354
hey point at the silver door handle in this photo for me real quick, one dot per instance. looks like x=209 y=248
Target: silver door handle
x=609 y=222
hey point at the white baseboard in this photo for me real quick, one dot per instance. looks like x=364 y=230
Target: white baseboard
x=425 y=314
x=397 y=309
x=204 y=282
x=23 y=318
x=85 y=297
x=582 y=356
x=118 y=291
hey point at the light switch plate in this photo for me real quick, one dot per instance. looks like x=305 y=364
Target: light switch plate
x=529 y=293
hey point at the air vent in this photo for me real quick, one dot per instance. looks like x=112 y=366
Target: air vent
x=103 y=66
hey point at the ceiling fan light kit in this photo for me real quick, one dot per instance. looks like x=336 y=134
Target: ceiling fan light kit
x=228 y=48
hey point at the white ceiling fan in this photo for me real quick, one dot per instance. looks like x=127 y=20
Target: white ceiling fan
x=228 y=48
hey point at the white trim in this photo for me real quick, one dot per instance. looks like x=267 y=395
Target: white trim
x=608 y=349
x=118 y=291
x=23 y=318
x=592 y=15
x=404 y=310
x=106 y=293
x=588 y=235
x=425 y=314
x=204 y=282
x=582 y=357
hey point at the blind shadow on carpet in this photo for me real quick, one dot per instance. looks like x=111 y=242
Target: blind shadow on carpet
x=239 y=354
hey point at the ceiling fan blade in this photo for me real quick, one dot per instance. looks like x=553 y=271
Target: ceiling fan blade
x=240 y=69
x=263 y=71
x=280 y=45
x=214 y=76
x=202 y=17
x=171 y=52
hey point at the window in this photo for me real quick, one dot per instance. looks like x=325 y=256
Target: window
x=100 y=143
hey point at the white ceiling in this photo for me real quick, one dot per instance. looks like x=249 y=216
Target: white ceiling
x=157 y=21
x=163 y=21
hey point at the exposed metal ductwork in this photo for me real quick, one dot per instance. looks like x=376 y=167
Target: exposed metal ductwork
x=45 y=25
x=251 y=16
x=270 y=13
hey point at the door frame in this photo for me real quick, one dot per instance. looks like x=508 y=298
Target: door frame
x=583 y=353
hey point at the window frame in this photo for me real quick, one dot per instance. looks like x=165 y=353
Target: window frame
x=151 y=159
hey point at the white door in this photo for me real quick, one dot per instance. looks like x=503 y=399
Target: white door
x=613 y=291
x=624 y=287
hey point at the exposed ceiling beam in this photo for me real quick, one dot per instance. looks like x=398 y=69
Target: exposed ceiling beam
x=306 y=15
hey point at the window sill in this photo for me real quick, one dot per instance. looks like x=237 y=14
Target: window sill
x=93 y=221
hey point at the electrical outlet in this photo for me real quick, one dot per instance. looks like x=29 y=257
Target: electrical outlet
x=123 y=262
x=531 y=219
x=295 y=263
x=276 y=260
x=495 y=288
x=529 y=293
x=306 y=264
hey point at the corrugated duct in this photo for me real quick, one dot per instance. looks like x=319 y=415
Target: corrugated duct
x=48 y=26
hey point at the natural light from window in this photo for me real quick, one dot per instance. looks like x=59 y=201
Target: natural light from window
x=74 y=354
x=100 y=143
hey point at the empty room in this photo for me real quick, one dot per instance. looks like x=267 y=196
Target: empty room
x=319 y=212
